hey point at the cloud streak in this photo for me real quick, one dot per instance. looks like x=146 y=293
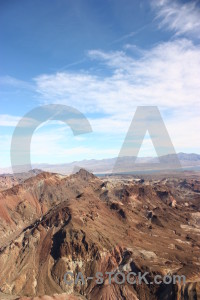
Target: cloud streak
x=183 y=19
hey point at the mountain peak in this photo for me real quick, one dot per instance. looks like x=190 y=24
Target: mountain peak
x=84 y=174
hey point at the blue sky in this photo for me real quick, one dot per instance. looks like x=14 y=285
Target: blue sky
x=103 y=58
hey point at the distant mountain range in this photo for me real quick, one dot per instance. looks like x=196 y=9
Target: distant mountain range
x=127 y=164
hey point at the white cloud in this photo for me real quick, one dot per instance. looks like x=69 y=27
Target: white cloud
x=8 y=120
x=182 y=18
x=167 y=76
x=13 y=121
x=184 y=131
x=59 y=145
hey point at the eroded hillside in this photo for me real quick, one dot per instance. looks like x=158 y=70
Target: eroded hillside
x=51 y=224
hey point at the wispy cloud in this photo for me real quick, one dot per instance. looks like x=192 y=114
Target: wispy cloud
x=182 y=18
x=16 y=83
x=166 y=76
